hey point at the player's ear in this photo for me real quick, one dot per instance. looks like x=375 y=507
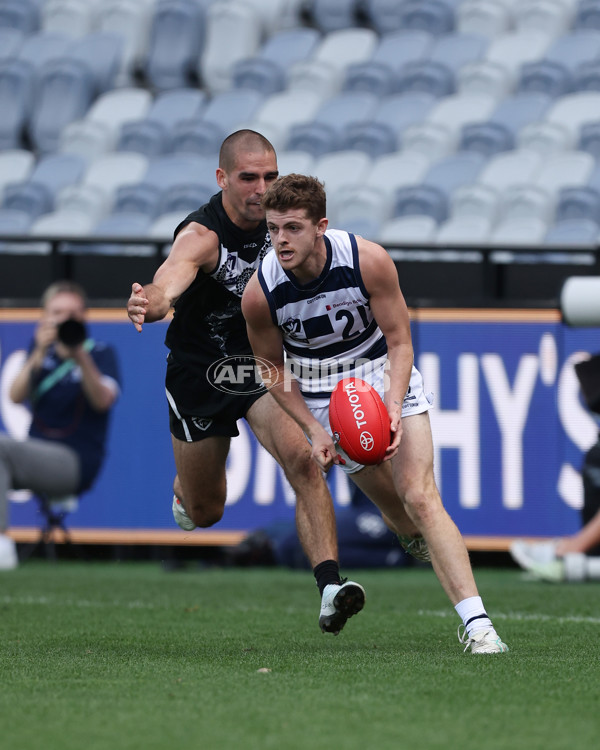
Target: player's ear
x=221 y=178
x=322 y=226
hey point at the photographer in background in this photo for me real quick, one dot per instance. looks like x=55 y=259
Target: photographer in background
x=70 y=383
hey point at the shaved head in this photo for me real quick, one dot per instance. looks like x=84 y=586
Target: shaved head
x=242 y=141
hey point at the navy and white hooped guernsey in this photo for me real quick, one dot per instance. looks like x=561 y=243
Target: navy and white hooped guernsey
x=329 y=332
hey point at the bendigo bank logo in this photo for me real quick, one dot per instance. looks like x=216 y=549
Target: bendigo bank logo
x=242 y=374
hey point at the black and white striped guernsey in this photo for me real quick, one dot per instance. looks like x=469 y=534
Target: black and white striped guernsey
x=328 y=328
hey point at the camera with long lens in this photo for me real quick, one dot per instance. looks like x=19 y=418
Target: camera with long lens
x=71 y=332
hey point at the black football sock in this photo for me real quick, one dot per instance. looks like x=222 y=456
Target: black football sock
x=325 y=573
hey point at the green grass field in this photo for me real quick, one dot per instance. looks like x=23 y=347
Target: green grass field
x=126 y=655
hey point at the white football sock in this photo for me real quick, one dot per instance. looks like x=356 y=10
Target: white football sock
x=473 y=615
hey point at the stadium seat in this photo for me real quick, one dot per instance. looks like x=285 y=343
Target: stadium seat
x=73 y=17
x=454 y=171
x=131 y=19
x=488 y=18
x=587 y=15
x=122 y=226
x=487 y=138
x=464 y=230
x=21 y=15
x=474 y=201
x=140 y=198
x=98 y=132
x=51 y=174
x=41 y=48
x=504 y=171
x=428 y=77
x=573 y=232
x=15 y=166
x=276 y=116
x=297 y=162
x=274 y=15
x=578 y=203
x=323 y=133
x=566 y=169
x=498 y=71
x=545 y=137
x=101 y=51
x=554 y=74
x=421 y=200
x=267 y=71
x=186 y=197
x=433 y=16
x=523 y=201
x=439 y=134
x=407 y=229
x=589 y=139
x=550 y=16
x=11 y=41
x=360 y=205
x=436 y=74
x=341 y=168
x=152 y=135
x=545 y=76
x=17 y=82
x=382 y=134
x=383 y=15
x=586 y=77
x=380 y=72
x=523 y=231
x=574 y=110
x=64 y=92
x=377 y=185
x=13 y=221
x=164 y=226
x=333 y=15
x=63 y=223
x=177 y=36
x=223 y=114
x=325 y=70
x=233 y=33
x=95 y=192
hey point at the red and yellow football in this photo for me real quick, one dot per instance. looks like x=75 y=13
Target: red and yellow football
x=359 y=421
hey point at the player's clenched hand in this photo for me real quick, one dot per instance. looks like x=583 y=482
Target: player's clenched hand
x=323 y=450
x=395 y=429
x=137 y=306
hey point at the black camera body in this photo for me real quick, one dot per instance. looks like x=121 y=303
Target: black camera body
x=71 y=332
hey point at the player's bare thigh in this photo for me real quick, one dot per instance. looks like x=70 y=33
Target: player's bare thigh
x=412 y=466
x=278 y=432
x=408 y=474
x=201 y=480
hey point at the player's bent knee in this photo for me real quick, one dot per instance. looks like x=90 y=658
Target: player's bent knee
x=206 y=517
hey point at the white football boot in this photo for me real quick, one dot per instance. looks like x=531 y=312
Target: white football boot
x=338 y=603
x=482 y=641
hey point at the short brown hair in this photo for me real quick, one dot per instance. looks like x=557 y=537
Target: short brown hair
x=241 y=140
x=297 y=191
x=63 y=287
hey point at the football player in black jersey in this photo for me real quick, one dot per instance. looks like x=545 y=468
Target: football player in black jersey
x=215 y=252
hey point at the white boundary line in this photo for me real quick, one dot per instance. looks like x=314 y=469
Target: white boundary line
x=519 y=616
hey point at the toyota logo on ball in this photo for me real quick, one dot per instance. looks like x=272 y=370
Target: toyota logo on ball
x=366 y=441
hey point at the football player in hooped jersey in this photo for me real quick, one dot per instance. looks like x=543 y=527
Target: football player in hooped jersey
x=216 y=250
x=342 y=294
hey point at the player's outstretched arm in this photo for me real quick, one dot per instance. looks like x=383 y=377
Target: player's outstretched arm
x=195 y=247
